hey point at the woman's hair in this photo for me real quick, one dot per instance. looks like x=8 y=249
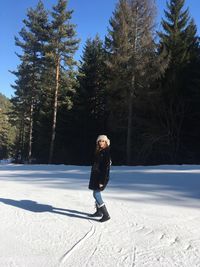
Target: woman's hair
x=98 y=147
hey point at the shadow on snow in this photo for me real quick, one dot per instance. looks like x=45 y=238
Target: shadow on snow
x=172 y=184
x=33 y=206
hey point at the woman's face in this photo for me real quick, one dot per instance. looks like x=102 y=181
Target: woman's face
x=102 y=143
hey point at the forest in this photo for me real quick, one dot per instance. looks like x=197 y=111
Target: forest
x=139 y=86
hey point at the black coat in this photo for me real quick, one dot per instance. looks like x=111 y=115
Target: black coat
x=100 y=170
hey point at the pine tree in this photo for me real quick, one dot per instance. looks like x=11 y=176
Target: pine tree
x=180 y=41
x=90 y=100
x=7 y=130
x=32 y=38
x=62 y=46
x=179 y=36
x=131 y=49
x=21 y=108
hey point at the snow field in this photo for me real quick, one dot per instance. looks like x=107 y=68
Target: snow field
x=154 y=222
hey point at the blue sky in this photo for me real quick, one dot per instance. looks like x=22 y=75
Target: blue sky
x=90 y=16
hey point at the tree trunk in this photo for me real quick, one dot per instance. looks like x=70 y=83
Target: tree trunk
x=23 y=139
x=132 y=90
x=30 y=133
x=55 y=107
x=129 y=128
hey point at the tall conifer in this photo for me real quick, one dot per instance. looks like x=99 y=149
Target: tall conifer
x=28 y=87
x=62 y=46
x=91 y=94
x=131 y=49
x=181 y=43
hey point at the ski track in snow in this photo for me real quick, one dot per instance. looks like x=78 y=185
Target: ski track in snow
x=77 y=244
x=93 y=251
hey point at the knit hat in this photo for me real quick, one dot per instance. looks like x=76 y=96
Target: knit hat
x=104 y=138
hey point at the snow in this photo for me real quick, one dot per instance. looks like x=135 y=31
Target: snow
x=155 y=215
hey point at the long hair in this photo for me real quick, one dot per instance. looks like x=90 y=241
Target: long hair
x=98 y=149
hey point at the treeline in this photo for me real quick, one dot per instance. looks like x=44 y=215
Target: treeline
x=139 y=86
x=7 y=129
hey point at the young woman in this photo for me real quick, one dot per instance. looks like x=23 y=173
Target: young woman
x=100 y=175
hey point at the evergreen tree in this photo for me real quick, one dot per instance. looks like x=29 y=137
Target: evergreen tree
x=90 y=100
x=181 y=43
x=132 y=61
x=21 y=110
x=7 y=130
x=32 y=38
x=62 y=46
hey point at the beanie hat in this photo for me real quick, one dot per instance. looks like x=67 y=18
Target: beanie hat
x=104 y=138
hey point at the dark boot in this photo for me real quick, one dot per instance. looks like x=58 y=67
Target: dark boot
x=98 y=213
x=105 y=213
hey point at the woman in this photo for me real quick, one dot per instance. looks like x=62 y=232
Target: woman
x=100 y=175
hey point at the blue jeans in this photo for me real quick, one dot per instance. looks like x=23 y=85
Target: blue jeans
x=98 y=198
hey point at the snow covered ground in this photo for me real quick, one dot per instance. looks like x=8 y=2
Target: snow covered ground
x=155 y=217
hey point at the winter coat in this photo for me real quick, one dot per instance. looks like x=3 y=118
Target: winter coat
x=100 y=170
